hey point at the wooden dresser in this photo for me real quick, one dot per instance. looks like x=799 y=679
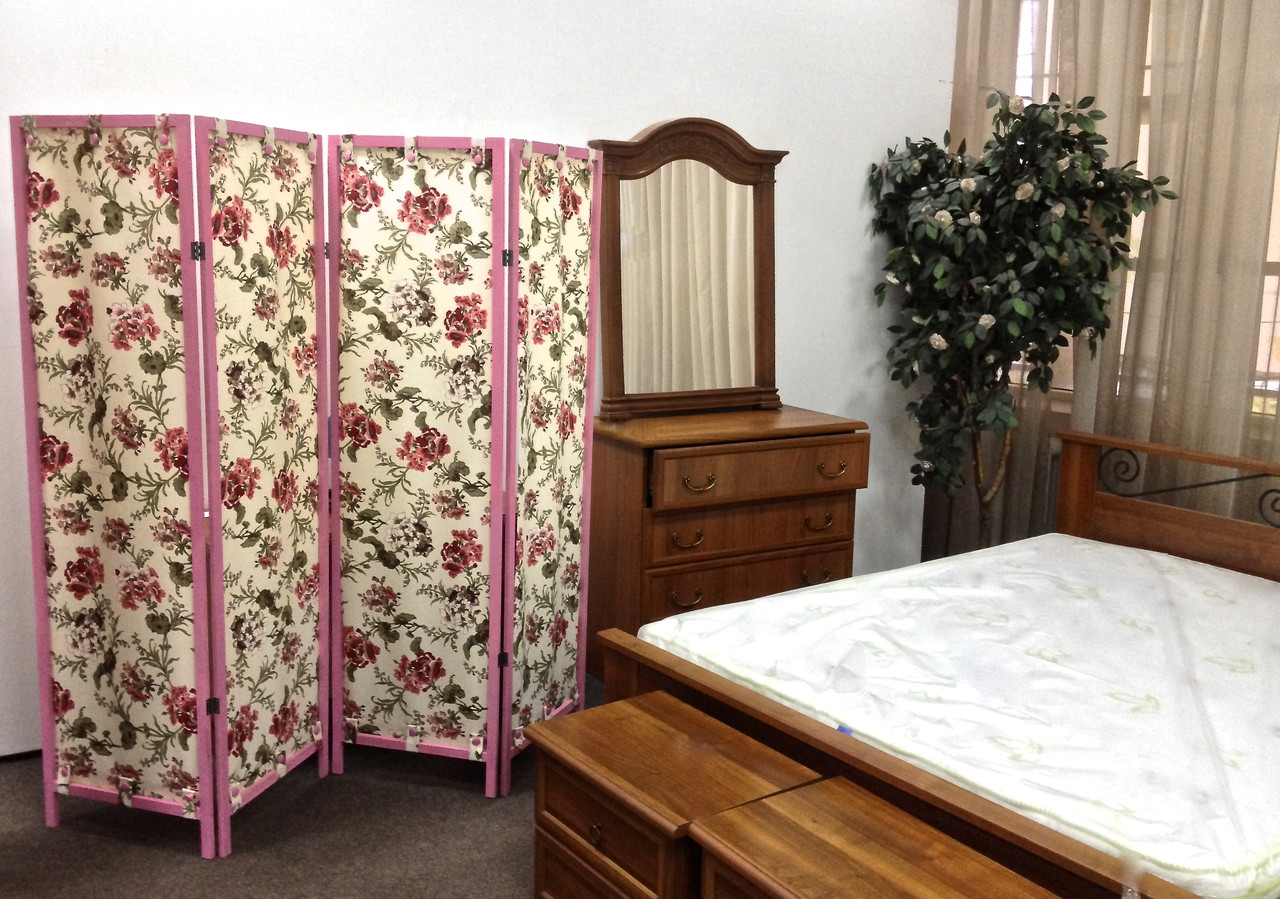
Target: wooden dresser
x=619 y=786
x=696 y=510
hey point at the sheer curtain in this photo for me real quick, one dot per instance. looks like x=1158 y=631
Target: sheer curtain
x=1188 y=366
x=688 y=311
x=1181 y=370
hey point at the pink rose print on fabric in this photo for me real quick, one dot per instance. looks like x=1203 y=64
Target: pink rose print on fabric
x=565 y=421
x=41 y=194
x=424 y=211
x=559 y=628
x=136 y=683
x=62 y=261
x=76 y=318
x=417 y=452
x=84 y=573
x=126 y=428
x=131 y=324
x=570 y=200
x=542 y=543
x=62 y=701
x=55 y=455
x=359 y=651
x=453 y=269
x=121 y=156
x=358 y=190
x=466 y=320
x=231 y=222
x=280 y=243
x=284 y=167
x=241 y=730
x=307 y=590
x=463 y=552
x=172 y=449
x=165 y=265
x=284 y=722
x=139 y=587
x=164 y=176
x=284 y=490
x=240 y=482
x=357 y=426
x=420 y=672
x=304 y=358
x=547 y=323
x=180 y=703
x=108 y=270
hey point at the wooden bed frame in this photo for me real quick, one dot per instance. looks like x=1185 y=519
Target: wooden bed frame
x=1059 y=863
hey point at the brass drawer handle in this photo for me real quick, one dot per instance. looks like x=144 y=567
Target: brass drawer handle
x=675 y=599
x=698 y=538
x=595 y=835
x=819 y=527
x=806 y=580
x=822 y=470
x=711 y=482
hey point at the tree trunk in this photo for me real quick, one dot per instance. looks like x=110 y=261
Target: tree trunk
x=987 y=492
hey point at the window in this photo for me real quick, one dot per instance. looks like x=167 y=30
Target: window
x=1034 y=71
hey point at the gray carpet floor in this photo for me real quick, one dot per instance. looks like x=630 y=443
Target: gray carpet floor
x=391 y=825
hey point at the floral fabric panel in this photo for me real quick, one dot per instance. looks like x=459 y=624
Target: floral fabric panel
x=263 y=257
x=416 y=383
x=104 y=304
x=552 y=329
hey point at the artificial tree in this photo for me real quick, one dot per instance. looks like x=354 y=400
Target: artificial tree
x=996 y=261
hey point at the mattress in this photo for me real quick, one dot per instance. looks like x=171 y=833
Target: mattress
x=1126 y=698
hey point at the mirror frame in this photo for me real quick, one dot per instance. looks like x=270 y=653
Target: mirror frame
x=725 y=151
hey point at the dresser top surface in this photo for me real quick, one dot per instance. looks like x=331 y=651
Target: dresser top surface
x=725 y=427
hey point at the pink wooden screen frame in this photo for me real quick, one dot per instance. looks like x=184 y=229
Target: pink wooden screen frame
x=493 y=761
x=204 y=126
x=179 y=132
x=576 y=701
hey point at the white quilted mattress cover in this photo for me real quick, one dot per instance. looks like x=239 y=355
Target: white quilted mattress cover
x=1128 y=699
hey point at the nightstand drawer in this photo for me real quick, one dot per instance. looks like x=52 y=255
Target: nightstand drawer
x=766 y=469
x=734 y=530
x=735 y=579
x=565 y=876
x=596 y=830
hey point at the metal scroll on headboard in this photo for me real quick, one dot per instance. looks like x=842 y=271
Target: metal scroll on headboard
x=1119 y=468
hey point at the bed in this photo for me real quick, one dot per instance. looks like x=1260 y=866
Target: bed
x=909 y=687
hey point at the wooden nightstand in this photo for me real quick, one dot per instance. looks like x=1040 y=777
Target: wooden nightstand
x=619 y=785
x=833 y=839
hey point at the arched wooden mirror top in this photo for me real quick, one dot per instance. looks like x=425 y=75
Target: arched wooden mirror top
x=687 y=272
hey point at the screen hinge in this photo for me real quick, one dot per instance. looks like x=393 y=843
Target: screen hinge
x=211 y=705
x=506 y=258
x=503 y=660
x=326 y=249
x=197 y=250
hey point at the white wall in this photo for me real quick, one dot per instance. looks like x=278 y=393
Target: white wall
x=834 y=82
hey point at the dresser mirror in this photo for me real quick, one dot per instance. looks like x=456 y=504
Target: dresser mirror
x=686 y=268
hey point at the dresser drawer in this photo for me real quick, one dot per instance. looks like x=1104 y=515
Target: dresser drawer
x=677 y=590
x=766 y=469
x=699 y=534
x=597 y=831
x=559 y=874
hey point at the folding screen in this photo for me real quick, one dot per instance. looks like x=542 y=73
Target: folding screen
x=136 y=673
x=550 y=416
x=111 y=373
x=263 y=233
x=433 y=371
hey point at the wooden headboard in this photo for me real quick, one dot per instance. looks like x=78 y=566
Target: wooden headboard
x=1086 y=509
